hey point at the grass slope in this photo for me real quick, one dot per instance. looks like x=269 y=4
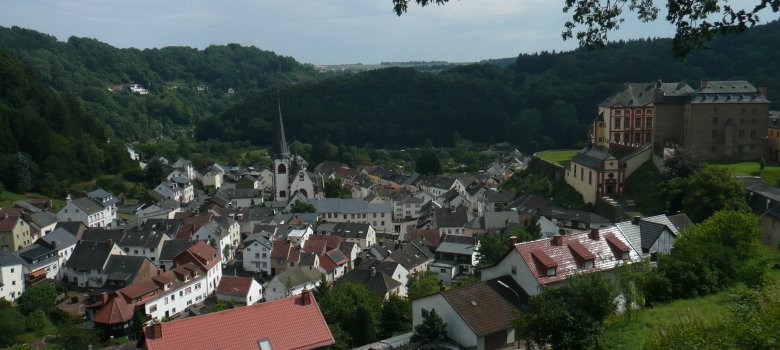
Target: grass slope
x=770 y=174
x=644 y=187
x=562 y=157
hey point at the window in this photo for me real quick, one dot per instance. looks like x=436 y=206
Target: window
x=425 y=313
x=257 y=255
x=181 y=293
x=649 y=123
x=752 y=134
x=742 y=110
x=197 y=286
x=714 y=133
x=153 y=308
x=740 y=149
x=590 y=177
x=638 y=123
x=713 y=149
x=281 y=169
x=443 y=270
x=617 y=123
x=742 y=134
x=617 y=137
x=188 y=290
x=514 y=270
x=637 y=111
x=173 y=297
x=589 y=264
x=551 y=271
x=617 y=112
x=715 y=119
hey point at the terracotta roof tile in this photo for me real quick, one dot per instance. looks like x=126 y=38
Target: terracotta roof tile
x=235 y=286
x=286 y=323
x=117 y=311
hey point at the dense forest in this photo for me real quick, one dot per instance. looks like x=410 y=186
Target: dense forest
x=541 y=101
x=47 y=139
x=86 y=68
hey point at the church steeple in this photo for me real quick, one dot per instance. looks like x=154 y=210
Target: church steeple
x=280 y=145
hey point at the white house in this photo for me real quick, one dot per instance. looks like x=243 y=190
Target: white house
x=11 y=277
x=87 y=263
x=241 y=290
x=293 y=282
x=257 y=253
x=361 y=234
x=46 y=257
x=224 y=233
x=163 y=209
x=87 y=210
x=179 y=189
x=378 y=215
x=479 y=316
x=650 y=236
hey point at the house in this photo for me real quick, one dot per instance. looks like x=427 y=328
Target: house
x=652 y=235
x=14 y=231
x=147 y=239
x=240 y=290
x=330 y=258
x=106 y=199
x=243 y=198
x=378 y=215
x=87 y=263
x=406 y=207
x=391 y=268
x=765 y=202
x=351 y=251
x=123 y=270
x=277 y=324
x=11 y=277
x=158 y=297
x=170 y=249
x=461 y=251
x=75 y=228
x=773 y=137
x=223 y=233
x=257 y=253
x=179 y=188
x=437 y=185
x=162 y=209
x=41 y=222
x=571 y=220
x=596 y=172
x=87 y=210
x=498 y=200
x=293 y=282
x=449 y=221
x=44 y=259
x=493 y=222
x=361 y=234
x=547 y=262
x=185 y=167
x=207 y=259
x=249 y=182
x=478 y=316
x=414 y=256
x=378 y=282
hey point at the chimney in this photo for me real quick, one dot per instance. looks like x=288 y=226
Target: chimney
x=513 y=240
x=104 y=298
x=306 y=297
x=636 y=219
x=594 y=234
x=557 y=240
x=156 y=330
x=373 y=271
x=110 y=241
x=762 y=90
x=702 y=84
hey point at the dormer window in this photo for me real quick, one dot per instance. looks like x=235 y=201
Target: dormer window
x=588 y=264
x=551 y=271
x=625 y=256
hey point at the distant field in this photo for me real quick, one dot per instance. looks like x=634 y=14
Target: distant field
x=562 y=157
x=770 y=174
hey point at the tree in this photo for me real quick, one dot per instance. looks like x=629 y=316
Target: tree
x=40 y=297
x=396 y=316
x=571 y=316
x=302 y=207
x=428 y=163
x=432 y=328
x=422 y=284
x=492 y=247
x=10 y=323
x=335 y=189
x=73 y=337
x=691 y=18
x=682 y=163
x=356 y=311
x=710 y=190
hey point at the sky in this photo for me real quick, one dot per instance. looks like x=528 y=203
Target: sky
x=319 y=31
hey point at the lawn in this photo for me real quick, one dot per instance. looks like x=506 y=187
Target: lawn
x=8 y=198
x=561 y=157
x=770 y=174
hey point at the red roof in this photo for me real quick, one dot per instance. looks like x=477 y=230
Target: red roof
x=235 y=286
x=286 y=323
x=118 y=310
x=281 y=249
x=567 y=258
x=430 y=237
x=617 y=244
x=201 y=254
x=330 y=241
x=8 y=218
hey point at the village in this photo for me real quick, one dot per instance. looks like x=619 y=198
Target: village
x=228 y=252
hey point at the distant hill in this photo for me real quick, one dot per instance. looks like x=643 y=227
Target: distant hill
x=541 y=101
x=87 y=68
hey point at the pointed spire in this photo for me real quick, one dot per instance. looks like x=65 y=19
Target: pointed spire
x=280 y=146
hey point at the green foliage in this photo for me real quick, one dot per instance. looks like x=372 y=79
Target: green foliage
x=528 y=182
x=643 y=187
x=41 y=297
x=71 y=336
x=715 y=254
x=422 y=284
x=432 y=328
x=355 y=310
x=571 y=316
x=302 y=207
x=710 y=190
x=396 y=316
x=37 y=322
x=335 y=189
x=10 y=323
x=428 y=163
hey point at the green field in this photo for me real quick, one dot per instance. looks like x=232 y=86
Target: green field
x=770 y=174
x=561 y=157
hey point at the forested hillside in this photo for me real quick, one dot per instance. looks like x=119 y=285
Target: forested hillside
x=86 y=68
x=541 y=101
x=46 y=139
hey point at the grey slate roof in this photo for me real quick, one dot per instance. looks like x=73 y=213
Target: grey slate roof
x=89 y=255
x=61 y=236
x=650 y=232
x=351 y=230
x=103 y=235
x=681 y=221
x=591 y=157
x=738 y=91
x=640 y=94
x=411 y=255
x=573 y=215
x=9 y=259
x=123 y=267
x=88 y=205
x=461 y=245
x=380 y=283
x=261 y=238
x=174 y=247
x=43 y=218
x=349 y=205
x=299 y=276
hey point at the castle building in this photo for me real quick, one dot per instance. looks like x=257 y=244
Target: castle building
x=289 y=170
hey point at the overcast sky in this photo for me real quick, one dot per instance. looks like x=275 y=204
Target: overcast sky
x=317 y=31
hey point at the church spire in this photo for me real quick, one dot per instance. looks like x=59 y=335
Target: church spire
x=280 y=145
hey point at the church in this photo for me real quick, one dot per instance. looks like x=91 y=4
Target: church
x=289 y=169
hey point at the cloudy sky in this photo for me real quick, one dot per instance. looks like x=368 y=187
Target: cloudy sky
x=317 y=31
